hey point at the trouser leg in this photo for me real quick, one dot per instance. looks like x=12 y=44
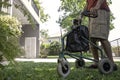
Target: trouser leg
x=107 y=48
x=94 y=50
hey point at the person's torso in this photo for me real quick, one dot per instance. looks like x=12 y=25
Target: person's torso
x=92 y=3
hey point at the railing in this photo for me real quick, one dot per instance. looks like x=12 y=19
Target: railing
x=115 y=44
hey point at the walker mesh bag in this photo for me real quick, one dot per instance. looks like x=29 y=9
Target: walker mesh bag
x=75 y=41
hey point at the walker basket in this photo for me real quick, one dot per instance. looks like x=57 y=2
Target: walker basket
x=77 y=39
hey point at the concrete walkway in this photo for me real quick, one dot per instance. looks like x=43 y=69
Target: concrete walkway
x=55 y=60
x=116 y=59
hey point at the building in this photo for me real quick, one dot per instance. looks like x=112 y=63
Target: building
x=30 y=38
x=52 y=38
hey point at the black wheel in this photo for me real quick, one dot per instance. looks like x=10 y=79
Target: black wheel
x=79 y=63
x=105 y=66
x=63 y=69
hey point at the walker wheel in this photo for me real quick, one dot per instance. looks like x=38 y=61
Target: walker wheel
x=79 y=63
x=105 y=66
x=63 y=68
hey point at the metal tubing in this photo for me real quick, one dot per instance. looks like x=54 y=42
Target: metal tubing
x=101 y=52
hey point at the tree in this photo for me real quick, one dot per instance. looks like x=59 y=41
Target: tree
x=43 y=46
x=43 y=16
x=4 y=4
x=43 y=35
x=72 y=9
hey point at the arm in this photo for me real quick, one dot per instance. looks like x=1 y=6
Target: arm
x=99 y=3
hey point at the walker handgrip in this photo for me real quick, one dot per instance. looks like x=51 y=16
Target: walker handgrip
x=89 y=14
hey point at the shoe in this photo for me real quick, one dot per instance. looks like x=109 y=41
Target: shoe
x=115 y=68
x=93 y=66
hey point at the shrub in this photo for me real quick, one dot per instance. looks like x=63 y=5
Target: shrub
x=44 y=50
x=50 y=49
x=10 y=31
x=54 y=48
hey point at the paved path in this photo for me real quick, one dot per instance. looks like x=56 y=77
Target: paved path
x=55 y=60
x=48 y=60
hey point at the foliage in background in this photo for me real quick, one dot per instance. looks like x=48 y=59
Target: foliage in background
x=4 y=4
x=43 y=35
x=44 y=50
x=43 y=46
x=50 y=49
x=72 y=10
x=54 y=48
x=43 y=16
x=26 y=14
x=10 y=31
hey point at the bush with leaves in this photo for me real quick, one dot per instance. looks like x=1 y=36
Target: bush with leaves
x=44 y=50
x=54 y=48
x=10 y=31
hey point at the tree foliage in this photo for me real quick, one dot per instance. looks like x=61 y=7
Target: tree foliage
x=43 y=16
x=44 y=33
x=4 y=4
x=54 y=48
x=72 y=9
x=43 y=36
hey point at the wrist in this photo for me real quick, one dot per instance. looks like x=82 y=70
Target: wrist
x=97 y=7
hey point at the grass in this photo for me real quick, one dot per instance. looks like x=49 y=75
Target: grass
x=56 y=56
x=47 y=71
x=52 y=57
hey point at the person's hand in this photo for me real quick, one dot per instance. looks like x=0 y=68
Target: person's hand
x=94 y=10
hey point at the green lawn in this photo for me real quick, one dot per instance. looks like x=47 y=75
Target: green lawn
x=47 y=71
x=56 y=56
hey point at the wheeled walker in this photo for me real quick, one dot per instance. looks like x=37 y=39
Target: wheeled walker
x=78 y=41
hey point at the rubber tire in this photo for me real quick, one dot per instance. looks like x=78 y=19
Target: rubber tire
x=61 y=71
x=105 y=66
x=79 y=63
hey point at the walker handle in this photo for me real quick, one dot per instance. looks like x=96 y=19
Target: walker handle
x=89 y=14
